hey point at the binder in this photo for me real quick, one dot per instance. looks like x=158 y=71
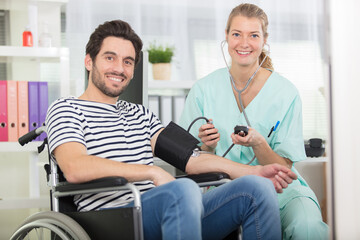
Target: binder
x=23 y=107
x=43 y=105
x=33 y=100
x=3 y=112
x=12 y=111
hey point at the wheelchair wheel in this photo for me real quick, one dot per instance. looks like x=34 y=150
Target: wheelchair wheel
x=50 y=225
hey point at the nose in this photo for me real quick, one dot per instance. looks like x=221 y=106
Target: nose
x=118 y=66
x=243 y=42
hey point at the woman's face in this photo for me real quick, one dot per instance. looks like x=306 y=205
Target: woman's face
x=245 y=40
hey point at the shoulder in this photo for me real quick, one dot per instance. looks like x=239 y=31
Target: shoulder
x=283 y=87
x=280 y=82
x=61 y=103
x=214 y=76
x=134 y=111
x=129 y=107
x=211 y=81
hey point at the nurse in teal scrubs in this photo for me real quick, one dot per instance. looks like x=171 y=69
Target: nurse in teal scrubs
x=269 y=100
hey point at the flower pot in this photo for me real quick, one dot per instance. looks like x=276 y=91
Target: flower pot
x=161 y=71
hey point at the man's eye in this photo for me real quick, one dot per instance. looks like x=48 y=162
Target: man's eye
x=109 y=58
x=127 y=62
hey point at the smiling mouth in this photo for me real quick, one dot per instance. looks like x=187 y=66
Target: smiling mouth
x=117 y=79
x=243 y=53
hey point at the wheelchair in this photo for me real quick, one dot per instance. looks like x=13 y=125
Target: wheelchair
x=64 y=222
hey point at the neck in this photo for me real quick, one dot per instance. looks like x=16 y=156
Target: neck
x=97 y=96
x=242 y=74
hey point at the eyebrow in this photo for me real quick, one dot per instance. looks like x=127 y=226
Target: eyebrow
x=235 y=30
x=113 y=53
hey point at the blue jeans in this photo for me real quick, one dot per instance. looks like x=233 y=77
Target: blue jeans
x=249 y=201
x=177 y=210
x=172 y=211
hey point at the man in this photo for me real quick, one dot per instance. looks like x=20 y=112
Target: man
x=95 y=136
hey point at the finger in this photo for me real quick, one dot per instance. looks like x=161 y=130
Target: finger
x=281 y=181
x=290 y=173
x=278 y=188
x=285 y=176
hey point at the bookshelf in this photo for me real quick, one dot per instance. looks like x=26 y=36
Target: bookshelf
x=21 y=168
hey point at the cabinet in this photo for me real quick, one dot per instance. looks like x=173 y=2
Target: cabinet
x=21 y=167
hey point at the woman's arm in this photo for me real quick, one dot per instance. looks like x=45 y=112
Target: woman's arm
x=263 y=152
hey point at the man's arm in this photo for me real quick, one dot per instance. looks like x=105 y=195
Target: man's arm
x=280 y=175
x=78 y=167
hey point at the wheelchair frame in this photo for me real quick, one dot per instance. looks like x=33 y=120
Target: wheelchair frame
x=72 y=225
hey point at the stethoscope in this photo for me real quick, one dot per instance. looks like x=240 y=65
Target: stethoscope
x=241 y=90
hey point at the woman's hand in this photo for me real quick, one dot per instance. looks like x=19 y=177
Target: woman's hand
x=254 y=138
x=209 y=136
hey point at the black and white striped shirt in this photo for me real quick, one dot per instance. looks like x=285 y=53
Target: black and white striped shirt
x=120 y=132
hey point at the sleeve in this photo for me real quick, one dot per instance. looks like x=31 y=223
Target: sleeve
x=194 y=108
x=289 y=141
x=64 y=124
x=154 y=123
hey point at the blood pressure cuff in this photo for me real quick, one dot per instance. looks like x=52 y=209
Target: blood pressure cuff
x=175 y=145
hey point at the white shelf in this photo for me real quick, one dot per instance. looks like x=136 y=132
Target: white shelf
x=316 y=159
x=18 y=203
x=16 y=147
x=9 y=53
x=168 y=84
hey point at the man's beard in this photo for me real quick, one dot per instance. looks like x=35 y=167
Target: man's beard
x=96 y=79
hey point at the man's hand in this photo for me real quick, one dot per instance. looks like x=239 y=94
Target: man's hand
x=280 y=175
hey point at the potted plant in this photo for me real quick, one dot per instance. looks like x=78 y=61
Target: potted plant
x=160 y=57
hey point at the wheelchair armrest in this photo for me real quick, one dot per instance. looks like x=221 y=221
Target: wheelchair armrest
x=208 y=179
x=106 y=182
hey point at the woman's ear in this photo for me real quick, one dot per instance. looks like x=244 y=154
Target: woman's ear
x=88 y=62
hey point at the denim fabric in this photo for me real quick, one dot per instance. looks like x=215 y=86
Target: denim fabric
x=174 y=210
x=249 y=201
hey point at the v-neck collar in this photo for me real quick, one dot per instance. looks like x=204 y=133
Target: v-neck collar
x=248 y=107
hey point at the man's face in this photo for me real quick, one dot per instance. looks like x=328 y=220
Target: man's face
x=113 y=67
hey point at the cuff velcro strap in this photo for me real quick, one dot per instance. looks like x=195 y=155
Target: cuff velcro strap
x=175 y=145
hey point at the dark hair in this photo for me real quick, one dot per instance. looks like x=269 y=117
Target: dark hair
x=115 y=28
x=252 y=11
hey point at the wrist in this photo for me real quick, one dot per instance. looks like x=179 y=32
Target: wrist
x=153 y=172
x=207 y=148
x=260 y=144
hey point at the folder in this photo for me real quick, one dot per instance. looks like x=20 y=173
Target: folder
x=23 y=108
x=12 y=105
x=33 y=100
x=3 y=112
x=43 y=105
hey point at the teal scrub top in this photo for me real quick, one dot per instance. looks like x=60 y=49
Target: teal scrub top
x=278 y=100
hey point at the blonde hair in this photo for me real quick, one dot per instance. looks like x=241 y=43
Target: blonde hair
x=252 y=11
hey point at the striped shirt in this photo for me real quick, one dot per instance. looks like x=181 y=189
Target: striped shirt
x=120 y=132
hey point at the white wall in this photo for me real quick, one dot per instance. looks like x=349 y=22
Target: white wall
x=344 y=55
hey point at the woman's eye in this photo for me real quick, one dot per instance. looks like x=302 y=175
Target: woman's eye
x=236 y=34
x=255 y=35
x=109 y=58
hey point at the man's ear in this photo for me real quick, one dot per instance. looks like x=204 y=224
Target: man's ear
x=88 y=62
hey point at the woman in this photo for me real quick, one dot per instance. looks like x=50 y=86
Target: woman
x=268 y=100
